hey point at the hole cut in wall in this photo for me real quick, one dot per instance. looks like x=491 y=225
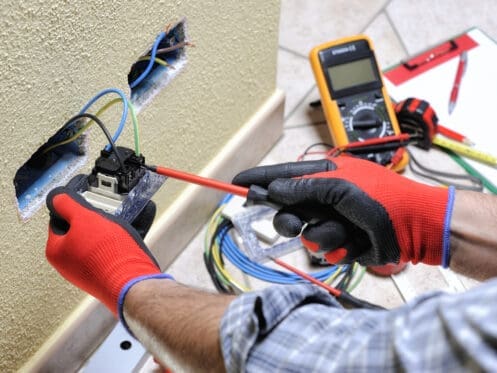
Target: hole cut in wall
x=52 y=165
x=159 y=65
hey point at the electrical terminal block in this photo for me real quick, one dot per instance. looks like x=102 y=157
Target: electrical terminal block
x=110 y=181
x=120 y=186
x=234 y=206
x=261 y=226
x=265 y=231
x=254 y=230
x=126 y=175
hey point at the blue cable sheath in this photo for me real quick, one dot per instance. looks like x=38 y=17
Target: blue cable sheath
x=123 y=117
x=143 y=75
x=225 y=199
x=262 y=272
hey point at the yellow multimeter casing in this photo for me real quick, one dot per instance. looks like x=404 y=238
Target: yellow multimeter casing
x=354 y=99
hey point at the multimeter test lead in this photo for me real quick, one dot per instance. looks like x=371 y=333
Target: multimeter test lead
x=402 y=138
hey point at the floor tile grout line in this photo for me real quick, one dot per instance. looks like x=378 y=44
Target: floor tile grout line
x=373 y=18
x=298 y=54
x=307 y=93
x=288 y=50
x=397 y=33
x=383 y=9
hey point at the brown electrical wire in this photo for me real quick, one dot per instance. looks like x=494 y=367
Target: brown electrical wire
x=174 y=47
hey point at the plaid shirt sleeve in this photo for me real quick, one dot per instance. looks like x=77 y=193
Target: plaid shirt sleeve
x=300 y=328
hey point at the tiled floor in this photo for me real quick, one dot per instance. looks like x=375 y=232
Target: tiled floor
x=398 y=28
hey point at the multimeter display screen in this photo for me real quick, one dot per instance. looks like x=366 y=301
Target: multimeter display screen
x=351 y=74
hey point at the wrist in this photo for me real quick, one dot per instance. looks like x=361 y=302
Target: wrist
x=126 y=289
x=473 y=235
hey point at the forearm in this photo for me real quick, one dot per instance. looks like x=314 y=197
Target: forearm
x=473 y=239
x=177 y=324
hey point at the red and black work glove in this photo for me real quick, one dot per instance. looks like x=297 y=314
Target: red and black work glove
x=355 y=210
x=95 y=251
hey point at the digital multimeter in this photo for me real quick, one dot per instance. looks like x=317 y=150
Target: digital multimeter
x=354 y=99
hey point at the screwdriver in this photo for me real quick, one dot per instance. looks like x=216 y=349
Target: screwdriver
x=254 y=195
x=259 y=195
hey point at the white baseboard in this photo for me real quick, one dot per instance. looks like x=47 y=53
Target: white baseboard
x=74 y=341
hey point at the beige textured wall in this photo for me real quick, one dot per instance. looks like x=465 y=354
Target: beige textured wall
x=55 y=56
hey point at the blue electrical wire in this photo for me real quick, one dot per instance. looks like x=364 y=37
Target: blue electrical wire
x=234 y=254
x=123 y=117
x=262 y=272
x=225 y=199
x=142 y=76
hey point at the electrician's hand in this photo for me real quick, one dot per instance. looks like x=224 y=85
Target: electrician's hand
x=95 y=251
x=356 y=210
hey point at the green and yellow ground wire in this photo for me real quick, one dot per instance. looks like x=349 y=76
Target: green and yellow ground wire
x=223 y=280
x=212 y=250
x=90 y=123
x=156 y=60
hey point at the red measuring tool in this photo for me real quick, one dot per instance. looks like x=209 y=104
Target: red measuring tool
x=415 y=115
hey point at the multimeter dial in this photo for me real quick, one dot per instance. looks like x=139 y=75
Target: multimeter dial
x=365 y=120
x=365 y=123
x=365 y=117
